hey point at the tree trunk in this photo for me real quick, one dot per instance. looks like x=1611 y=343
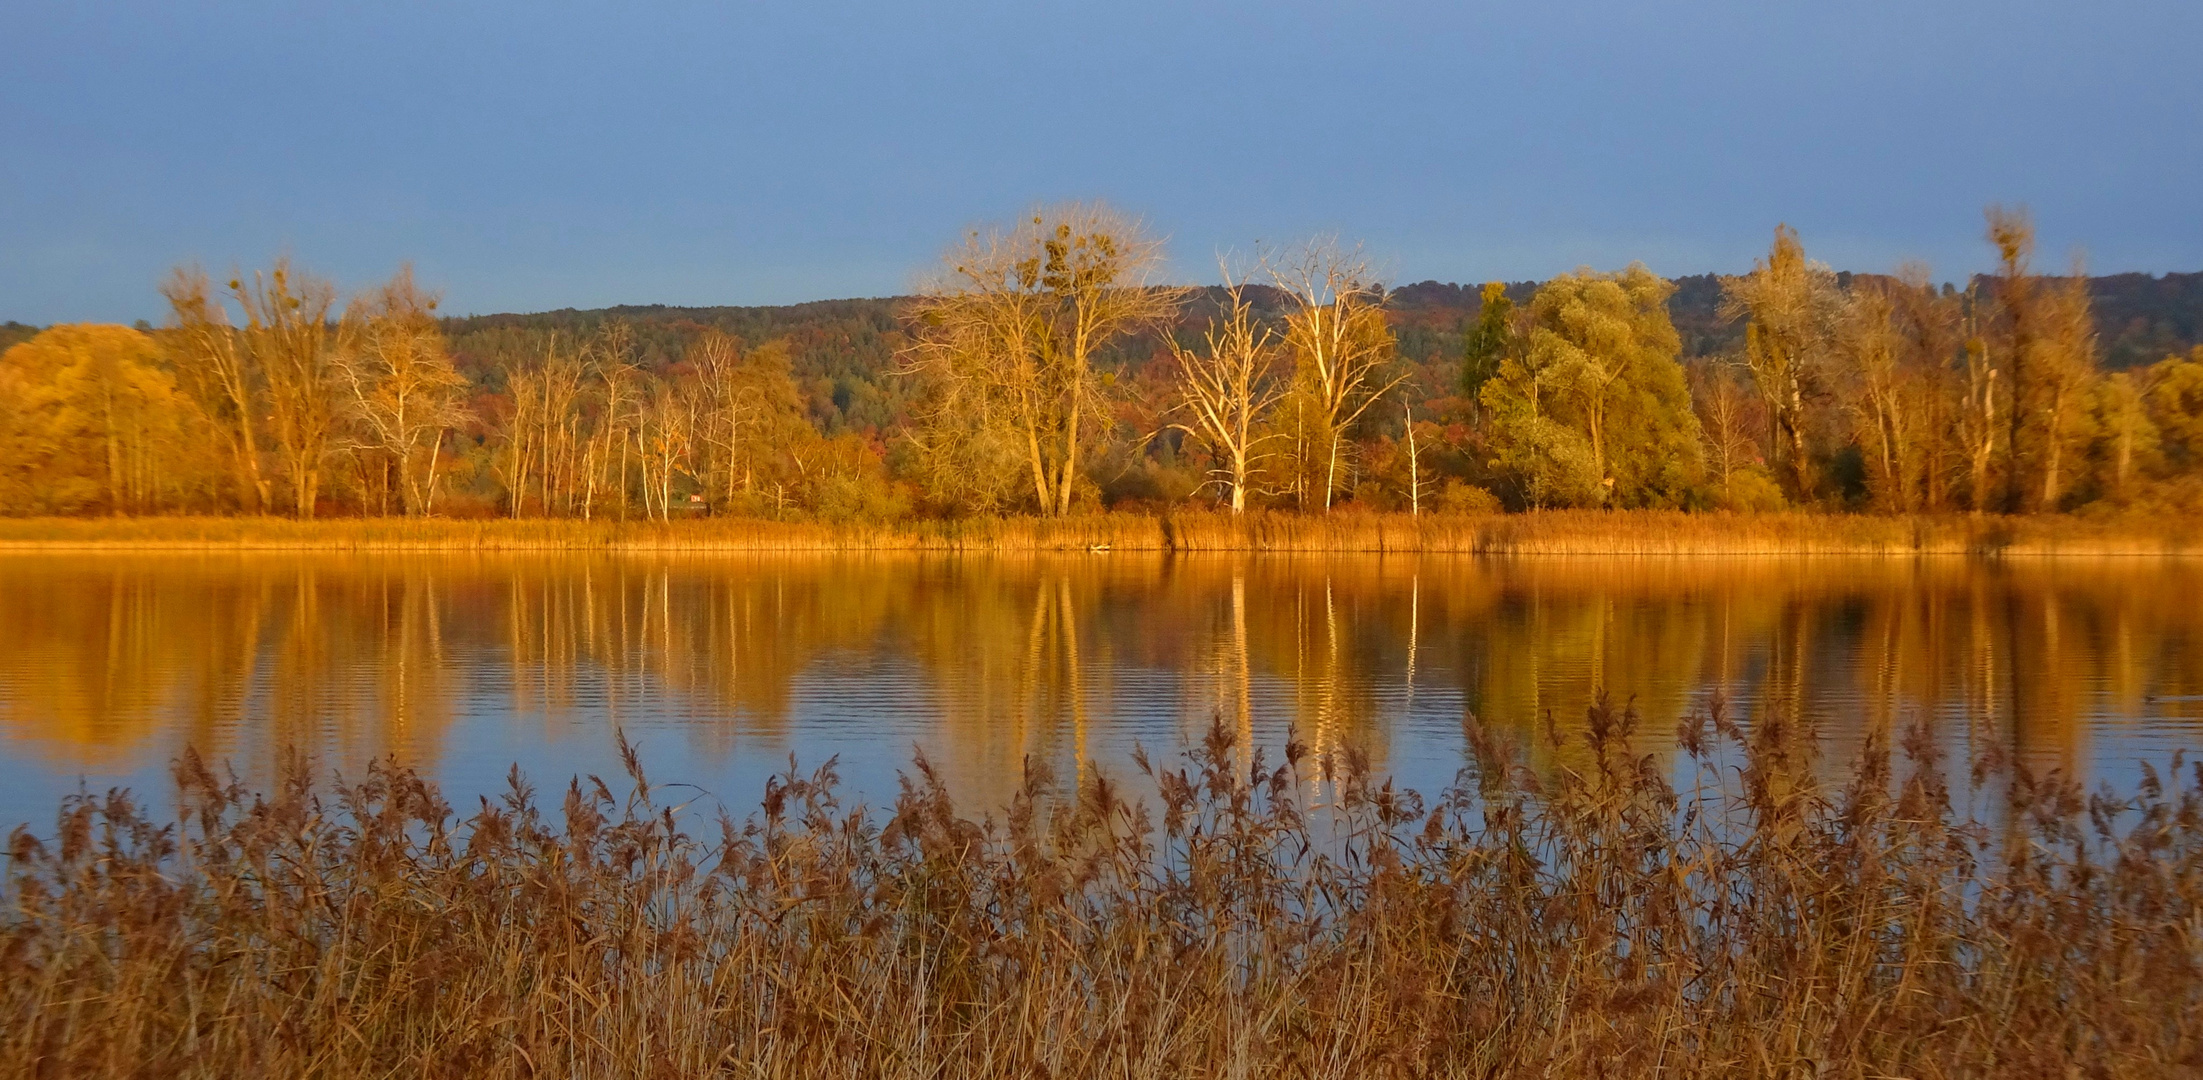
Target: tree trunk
x=1070 y=462
x=2054 y=453
x=308 y=485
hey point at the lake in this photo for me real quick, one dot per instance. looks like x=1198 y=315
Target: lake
x=723 y=667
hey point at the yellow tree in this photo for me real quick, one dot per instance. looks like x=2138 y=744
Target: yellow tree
x=2063 y=373
x=1935 y=388
x=2124 y=428
x=214 y=367
x=1791 y=304
x=1010 y=328
x=1731 y=431
x=88 y=419
x=1607 y=348
x=2174 y=402
x=1871 y=341
x=665 y=425
x=401 y=392
x=749 y=413
x=288 y=333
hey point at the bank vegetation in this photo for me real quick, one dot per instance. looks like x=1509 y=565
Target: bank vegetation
x=1046 y=369
x=1552 y=532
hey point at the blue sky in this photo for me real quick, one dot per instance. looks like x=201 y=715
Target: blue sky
x=535 y=155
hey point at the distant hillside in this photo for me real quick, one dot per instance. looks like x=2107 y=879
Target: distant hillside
x=13 y=332
x=840 y=348
x=2140 y=318
x=843 y=349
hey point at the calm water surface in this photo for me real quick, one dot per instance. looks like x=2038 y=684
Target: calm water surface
x=721 y=668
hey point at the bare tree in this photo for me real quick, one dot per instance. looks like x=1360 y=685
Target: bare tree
x=617 y=382
x=1339 y=342
x=1791 y=304
x=1414 y=461
x=1227 y=390
x=747 y=413
x=1727 y=421
x=724 y=410
x=1977 y=418
x=566 y=434
x=218 y=373
x=1015 y=318
x=401 y=391
x=522 y=427
x=664 y=430
x=288 y=332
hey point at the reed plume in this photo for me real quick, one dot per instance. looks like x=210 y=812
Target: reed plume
x=1609 y=914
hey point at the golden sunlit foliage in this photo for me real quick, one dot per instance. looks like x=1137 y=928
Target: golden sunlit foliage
x=91 y=422
x=1006 y=336
x=1595 y=411
x=1047 y=369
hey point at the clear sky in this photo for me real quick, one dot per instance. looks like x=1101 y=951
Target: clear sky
x=544 y=154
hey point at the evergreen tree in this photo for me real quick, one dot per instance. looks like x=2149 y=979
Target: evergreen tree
x=1488 y=341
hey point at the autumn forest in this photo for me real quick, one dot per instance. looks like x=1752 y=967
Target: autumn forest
x=1048 y=367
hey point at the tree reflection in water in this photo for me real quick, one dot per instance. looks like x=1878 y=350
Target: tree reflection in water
x=111 y=664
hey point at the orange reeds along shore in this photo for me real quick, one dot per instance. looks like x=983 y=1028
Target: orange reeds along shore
x=1568 y=532
x=1294 y=918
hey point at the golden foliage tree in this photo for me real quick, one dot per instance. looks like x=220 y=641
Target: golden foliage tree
x=218 y=372
x=89 y=420
x=1009 y=329
x=1897 y=338
x=1791 y=304
x=750 y=418
x=2063 y=371
x=291 y=341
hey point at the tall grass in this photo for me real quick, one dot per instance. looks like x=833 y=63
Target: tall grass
x=1602 y=919
x=1568 y=532
x=1667 y=532
x=1110 y=531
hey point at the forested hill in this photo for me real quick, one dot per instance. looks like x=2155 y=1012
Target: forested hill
x=2140 y=318
x=841 y=350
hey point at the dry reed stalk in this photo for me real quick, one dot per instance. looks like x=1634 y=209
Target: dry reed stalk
x=1596 y=920
x=1574 y=532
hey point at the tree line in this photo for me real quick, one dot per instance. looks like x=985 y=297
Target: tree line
x=1047 y=367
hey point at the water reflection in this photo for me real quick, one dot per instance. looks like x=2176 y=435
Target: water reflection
x=108 y=666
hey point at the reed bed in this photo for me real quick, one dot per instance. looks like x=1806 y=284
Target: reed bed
x=1301 y=919
x=1568 y=532
x=1128 y=531
x=1667 y=532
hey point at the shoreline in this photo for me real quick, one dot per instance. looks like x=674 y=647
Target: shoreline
x=1565 y=532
